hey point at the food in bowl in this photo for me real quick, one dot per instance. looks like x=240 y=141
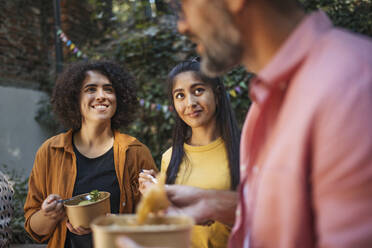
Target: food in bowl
x=153 y=200
x=83 y=214
x=83 y=203
x=93 y=196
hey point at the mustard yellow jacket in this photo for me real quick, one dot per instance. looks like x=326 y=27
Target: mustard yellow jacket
x=54 y=172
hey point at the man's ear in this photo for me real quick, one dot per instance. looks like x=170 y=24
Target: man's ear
x=235 y=6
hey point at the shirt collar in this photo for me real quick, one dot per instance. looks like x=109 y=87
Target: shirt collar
x=64 y=141
x=290 y=55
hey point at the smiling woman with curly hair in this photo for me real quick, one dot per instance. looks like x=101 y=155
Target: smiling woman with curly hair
x=65 y=99
x=92 y=99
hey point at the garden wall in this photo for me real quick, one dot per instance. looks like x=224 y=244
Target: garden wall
x=27 y=51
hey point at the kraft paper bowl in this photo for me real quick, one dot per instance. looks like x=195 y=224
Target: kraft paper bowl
x=85 y=214
x=165 y=231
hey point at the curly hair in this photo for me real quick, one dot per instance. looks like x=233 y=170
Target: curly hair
x=66 y=93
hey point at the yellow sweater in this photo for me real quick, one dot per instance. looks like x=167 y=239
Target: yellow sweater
x=205 y=167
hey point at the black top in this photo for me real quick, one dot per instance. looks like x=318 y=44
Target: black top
x=94 y=173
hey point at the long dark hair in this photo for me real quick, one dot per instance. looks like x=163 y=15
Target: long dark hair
x=225 y=120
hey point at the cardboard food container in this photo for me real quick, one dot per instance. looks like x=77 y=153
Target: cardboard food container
x=83 y=215
x=164 y=231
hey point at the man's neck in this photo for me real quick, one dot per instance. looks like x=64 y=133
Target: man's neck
x=265 y=31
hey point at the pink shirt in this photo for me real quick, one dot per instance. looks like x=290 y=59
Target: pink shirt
x=306 y=148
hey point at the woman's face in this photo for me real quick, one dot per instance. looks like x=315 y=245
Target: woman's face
x=97 y=98
x=194 y=100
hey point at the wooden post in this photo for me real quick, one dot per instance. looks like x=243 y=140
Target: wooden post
x=58 y=43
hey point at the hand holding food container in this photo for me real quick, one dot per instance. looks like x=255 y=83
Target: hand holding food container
x=147 y=228
x=82 y=209
x=52 y=208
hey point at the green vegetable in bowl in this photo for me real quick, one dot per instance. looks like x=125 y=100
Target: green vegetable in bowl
x=94 y=194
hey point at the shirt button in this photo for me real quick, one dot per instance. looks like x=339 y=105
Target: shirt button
x=243 y=168
x=237 y=212
x=123 y=204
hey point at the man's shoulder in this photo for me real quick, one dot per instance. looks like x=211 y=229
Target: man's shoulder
x=348 y=44
x=337 y=59
x=335 y=73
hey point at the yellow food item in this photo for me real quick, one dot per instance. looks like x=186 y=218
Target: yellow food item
x=93 y=196
x=154 y=200
x=82 y=203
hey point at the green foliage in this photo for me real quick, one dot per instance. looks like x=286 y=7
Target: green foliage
x=151 y=47
x=19 y=183
x=149 y=53
x=355 y=15
x=102 y=13
x=150 y=50
x=240 y=103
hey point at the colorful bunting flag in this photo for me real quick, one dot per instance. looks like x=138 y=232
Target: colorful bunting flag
x=232 y=93
x=238 y=89
x=165 y=109
x=70 y=44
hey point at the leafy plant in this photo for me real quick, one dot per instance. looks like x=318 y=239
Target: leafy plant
x=355 y=15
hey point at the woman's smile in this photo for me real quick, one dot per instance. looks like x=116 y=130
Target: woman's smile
x=195 y=114
x=101 y=107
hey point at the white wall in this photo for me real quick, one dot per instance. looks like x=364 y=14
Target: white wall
x=20 y=134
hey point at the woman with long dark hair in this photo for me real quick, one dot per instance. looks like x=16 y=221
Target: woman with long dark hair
x=205 y=150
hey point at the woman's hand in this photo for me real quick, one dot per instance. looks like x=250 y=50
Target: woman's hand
x=79 y=230
x=196 y=208
x=146 y=178
x=52 y=208
x=190 y=201
x=44 y=221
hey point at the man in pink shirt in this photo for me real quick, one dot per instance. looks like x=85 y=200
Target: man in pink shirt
x=306 y=150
